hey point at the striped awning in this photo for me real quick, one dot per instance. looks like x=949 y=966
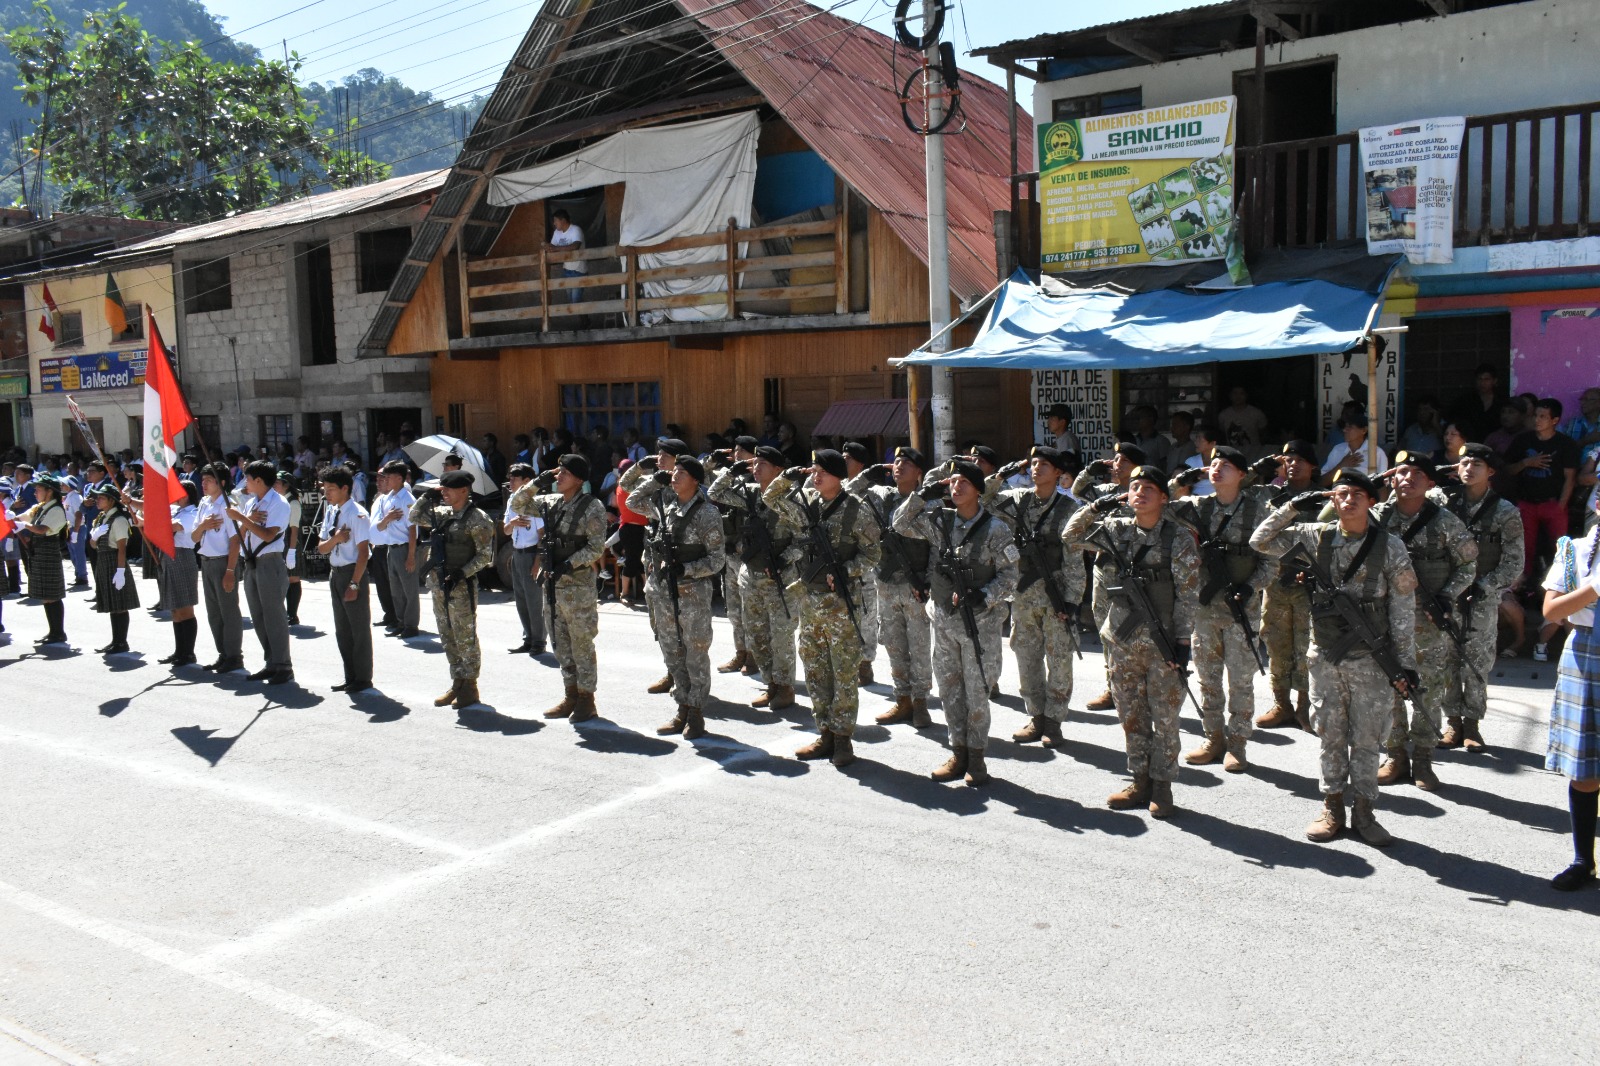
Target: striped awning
x=867 y=418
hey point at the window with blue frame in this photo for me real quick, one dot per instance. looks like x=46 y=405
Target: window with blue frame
x=616 y=405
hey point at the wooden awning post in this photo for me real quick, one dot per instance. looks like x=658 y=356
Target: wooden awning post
x=1372 y=403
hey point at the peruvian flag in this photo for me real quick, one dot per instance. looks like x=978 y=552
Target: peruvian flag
x=7 y=527
x=47 y=322
x=166 y=414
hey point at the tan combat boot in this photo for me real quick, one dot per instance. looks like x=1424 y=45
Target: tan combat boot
x=1422 y=771
x=1330 y=823
x=449 y=697
x=900 y=712
x=1454 y=732
x=467 y=692
x=1395 y=769
x=749 y=668
x=977 y=769
x=1302 y=711
x=735 y=664
x=919 y=714
x=1363 y=822
x=780 y=696
x=1031 y=732
x=664 y=685
x=1103 y=702
x=1208 y=752
x=821 y=748
x=567 y=705
x=1472 y=740
x=1050 y=729
x=1161 y=805
x=763 y=700
x=1235 y=762
x=694 y=723
x=843 y=753
x=583 y=707
x=1135 y=793
x=864 y=673
x=674 y=726
x=953 y=767
x=1281 y=714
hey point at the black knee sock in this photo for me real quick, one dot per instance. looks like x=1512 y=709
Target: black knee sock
x=294 y=599
x=1585 y=807
x=119 y=627
x=185 y=632
x=56 y=615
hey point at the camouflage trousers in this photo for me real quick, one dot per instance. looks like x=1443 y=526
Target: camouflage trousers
x=1286 y=632
x=733 y=599
x=457 y=619
x=688 y=659
x=1439 y=667
x=573 y=627
x=871 y=619
x=1470 y=697
x=1149 y=694
x=962 y=687
x=903 y=628
x=1219 y=647
x=1044 y=645
x=831 y=652
x=769 y=625
x=1349 y=711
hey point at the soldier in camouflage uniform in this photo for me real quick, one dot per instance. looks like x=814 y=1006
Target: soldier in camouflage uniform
x=1286 y=606
x=1350 y=693
x=1496 y=525
x=687 y=551
x=461 y=543
x=668 y=451
x=974 y=570
x=732 y=574
x=1091 y=484
x=573 y=539
x=1232 y=573
x=1444 y=559
x=1148 y=683
x=1050 y=580
x=764 y=548
x=856 y=462
x=902 y=585
x=828 y=522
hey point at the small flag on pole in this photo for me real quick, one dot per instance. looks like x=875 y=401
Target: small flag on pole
x=116 y=310
x=47 y=321
x=166 y=415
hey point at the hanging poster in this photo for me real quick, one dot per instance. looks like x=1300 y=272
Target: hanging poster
x=1091 y=396
x=1151 y=186
x=1409 y=171
x=1342 y=378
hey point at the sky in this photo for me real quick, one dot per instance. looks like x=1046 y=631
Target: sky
x=456 y=48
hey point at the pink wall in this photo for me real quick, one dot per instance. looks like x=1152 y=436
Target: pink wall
x=1553 y=356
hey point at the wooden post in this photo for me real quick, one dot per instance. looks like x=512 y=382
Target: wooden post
x=544 y=290
x=466 y=284
x=1372 y=403
x=733 y=253
x=631 y=297
x=841 y=250
x=913 y=401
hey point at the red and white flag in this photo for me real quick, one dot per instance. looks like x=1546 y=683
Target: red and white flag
x=166 y=414
x=47 y=322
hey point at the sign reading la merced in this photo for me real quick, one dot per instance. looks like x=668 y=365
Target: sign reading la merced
x=87 y=373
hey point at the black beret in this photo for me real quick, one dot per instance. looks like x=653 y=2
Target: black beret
x=1481 y=452
x=857 y=451
x=768 y=454
x=912 y=456
x=986 y=453
x=1153 y=474
x=1049 y=455
x=745 y=443
x=456 y=479
x=1346 y=476
x=1131 y=452
x=971 y=471
x=575 y=464
x=1302 y=449
x=693 y=467
x=1421 y=460
x=672 y=446
x=1230 y=455
x=829 y=461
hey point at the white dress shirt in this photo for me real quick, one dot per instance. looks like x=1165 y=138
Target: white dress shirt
x=186 y=518
x=1342 y=449
x=348 y=515
x=524 y=536
x=214 y=542
x=398 y=532
x=271 y=511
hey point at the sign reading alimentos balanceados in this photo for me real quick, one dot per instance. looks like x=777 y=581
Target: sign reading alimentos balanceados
x=1150 y=186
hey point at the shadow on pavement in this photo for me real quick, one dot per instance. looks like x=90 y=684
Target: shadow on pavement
x=918 y=789
x=602 y=735
x=1269 y=851
x=206 y=744
x=378 y=707
x=115 y=706
x=1541 y=816
x=1489 y=882
x=1067 y=815
x=481 y=718
x=744 y=760
x=1496 y=759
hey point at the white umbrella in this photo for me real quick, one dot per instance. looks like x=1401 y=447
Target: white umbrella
x=429 y=453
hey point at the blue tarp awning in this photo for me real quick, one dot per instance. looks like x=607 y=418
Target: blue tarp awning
x=1043 y=327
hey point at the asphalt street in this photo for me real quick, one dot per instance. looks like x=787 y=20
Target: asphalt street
x=203 y=872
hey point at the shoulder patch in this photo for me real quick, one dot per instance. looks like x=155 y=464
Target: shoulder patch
x=1011 y=552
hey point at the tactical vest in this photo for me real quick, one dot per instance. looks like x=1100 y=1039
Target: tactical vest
x=683 y=549
x=1049 y=550
x=564 y=542
x=1431 y=562
x=1156 y=577
x=901 y=553
x=459 y=547
x=1225 y=564
x=1289 y=574
x=975 y=573
x=733 y=520
x=1490 y=542
x=758 y=550
x=813 y=570
x=1328 y=629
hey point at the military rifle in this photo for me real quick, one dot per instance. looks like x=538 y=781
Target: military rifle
x=1383 y=653
x=959 y=574
x=1027 y=541
x=896 y=547
x=760 y=536
x=1236 y=607
x=1437 y=608
x=822 y=550
x=1137 y=597
x=666 y=550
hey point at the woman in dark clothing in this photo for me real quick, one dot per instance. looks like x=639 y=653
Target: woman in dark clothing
x=43 y=556
x=115 y=592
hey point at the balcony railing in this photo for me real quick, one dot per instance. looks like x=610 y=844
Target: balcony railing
x=1524 y=176
x=780 y=270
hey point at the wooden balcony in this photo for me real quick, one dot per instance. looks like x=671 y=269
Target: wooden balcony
x=795 y=270
x=1524 y=176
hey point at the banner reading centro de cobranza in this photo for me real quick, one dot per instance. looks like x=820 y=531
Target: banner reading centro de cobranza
x=1151 y=186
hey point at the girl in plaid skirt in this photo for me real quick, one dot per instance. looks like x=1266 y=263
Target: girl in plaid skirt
x=1571 y=589
x=115 y=592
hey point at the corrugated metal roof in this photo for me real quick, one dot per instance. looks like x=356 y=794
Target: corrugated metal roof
x=297 y=212
x=866 y=418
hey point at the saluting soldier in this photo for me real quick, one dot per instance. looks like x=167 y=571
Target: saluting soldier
x=1350 y=691
x=1148 y=651
x=1496 y=525
x=1286 y=601
x=732 y=585
x=1232 y=576
x=1050 y=580
x=856 y=462
x=1107 y=477
x=901 y=579
x=764 y=545
x=687 y=552
x=1444 y=558
x=642 y=473
x=574 y=536
x=974 y=570
x=460 y=544
x=839 y=545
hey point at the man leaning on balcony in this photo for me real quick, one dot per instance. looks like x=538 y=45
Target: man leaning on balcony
x=567 y=236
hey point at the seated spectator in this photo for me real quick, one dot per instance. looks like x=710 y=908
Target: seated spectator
x=1243 y=425
x=1352 y=452
x=1510 y=425
x=1424 y=434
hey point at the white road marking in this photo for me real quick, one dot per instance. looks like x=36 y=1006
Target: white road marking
x=44 y=1046
x=323 y=1021
x=278 y=803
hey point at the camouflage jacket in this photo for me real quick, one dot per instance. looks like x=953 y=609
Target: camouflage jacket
x=984 y=545
x=1042 y=522
x=1205 y=515
x=574 y=531
x=853 y=533
x=1492 y=523
x=430 y=514
x=1441 y=544
x=1165 y=552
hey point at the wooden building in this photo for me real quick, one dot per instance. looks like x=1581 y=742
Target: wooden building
x=790 y=305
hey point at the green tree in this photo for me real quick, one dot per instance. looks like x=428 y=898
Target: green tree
x=386 y=119
x=160 y=130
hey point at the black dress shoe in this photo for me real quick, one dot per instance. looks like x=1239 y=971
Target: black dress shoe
x=281 y=677
x=357 y=686
x=385 y=623
x=115 y=648
x=409 y=632
x=213 y=667
x=49 y=639
x=1573 y=878
x=167 y=660
x=520 y=649
x=182 y=660
x=261 y=675
x=341 y=688
x=228 y=666
x=536 y=650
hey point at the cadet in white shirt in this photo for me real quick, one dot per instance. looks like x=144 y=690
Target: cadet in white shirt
x=528 y=591
x=344 y=540
x=394 y=552
x=263 y=517
x=216 y=541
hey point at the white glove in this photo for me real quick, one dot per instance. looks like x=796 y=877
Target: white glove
x=96 y=532
x=288 y=558
x=120 y=578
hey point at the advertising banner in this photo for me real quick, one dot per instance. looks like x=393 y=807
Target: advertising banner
x=1092 y=397
x=87 y=373
x=1151 y=186
x=1342 y=378
x=1410 y=180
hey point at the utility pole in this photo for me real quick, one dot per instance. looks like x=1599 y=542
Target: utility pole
x=944 y=429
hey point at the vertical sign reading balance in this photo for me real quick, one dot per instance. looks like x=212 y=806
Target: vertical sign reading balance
x=1151 y=186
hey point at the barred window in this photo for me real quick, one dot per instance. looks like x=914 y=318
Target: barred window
x=616 y=405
